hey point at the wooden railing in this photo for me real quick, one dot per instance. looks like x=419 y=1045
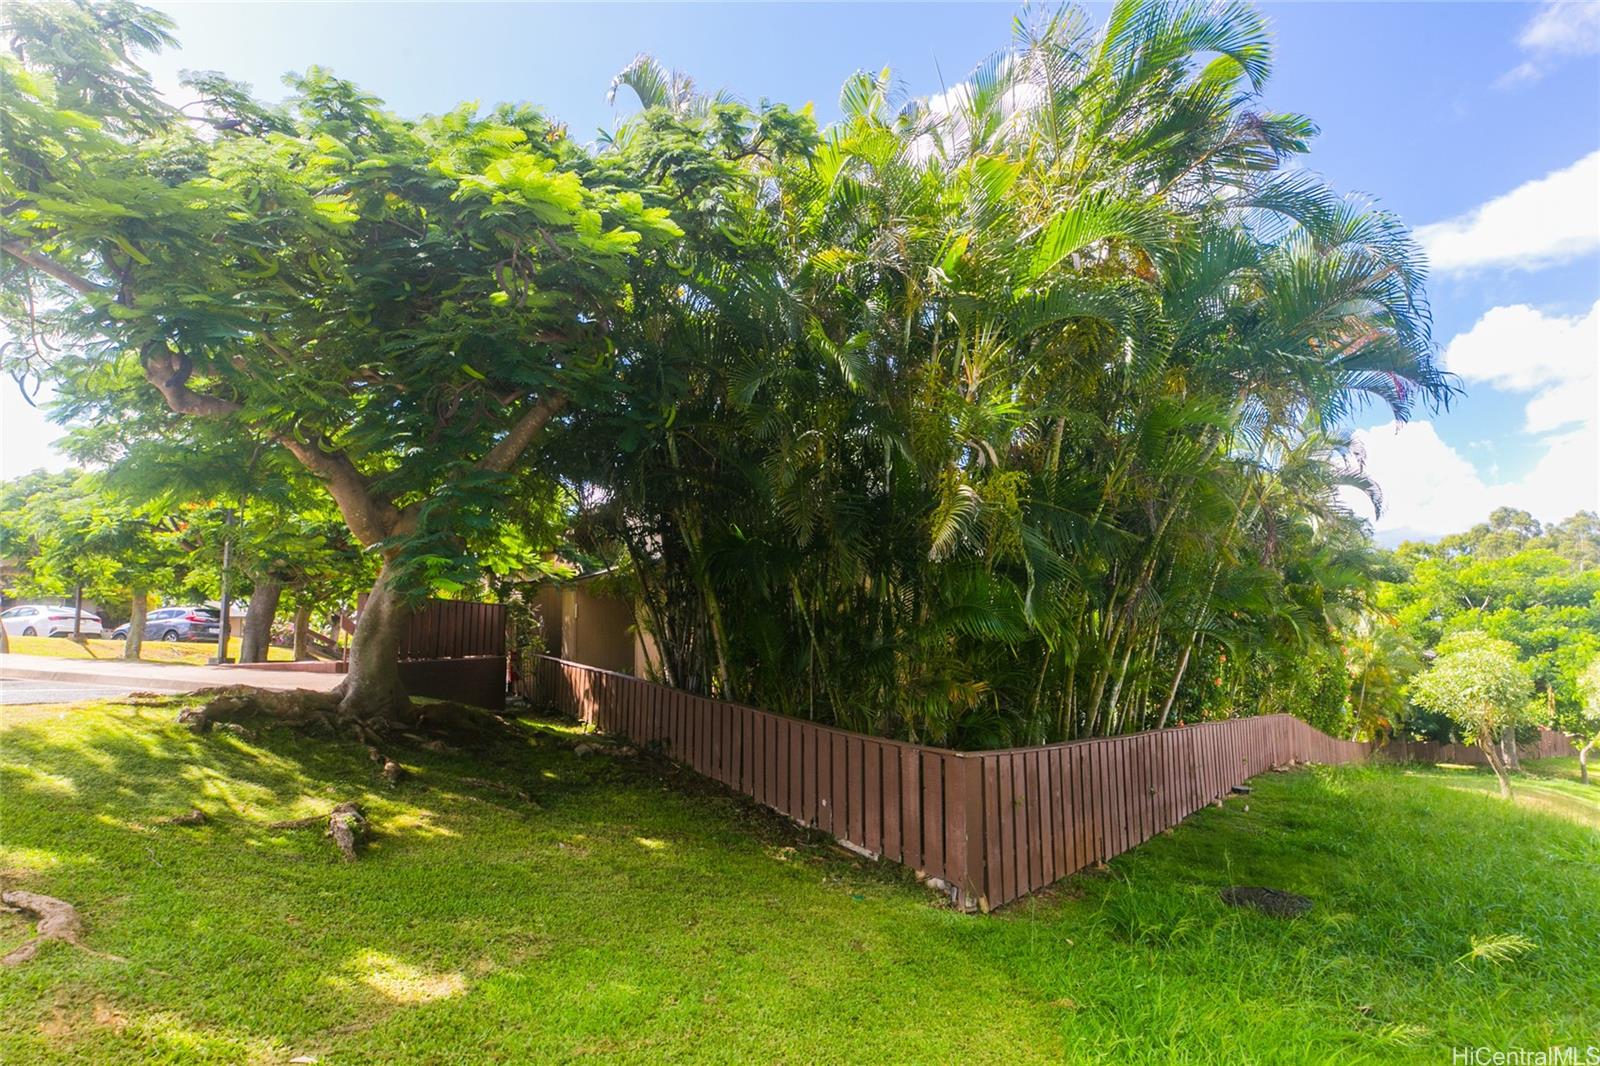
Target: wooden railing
x=989 y=827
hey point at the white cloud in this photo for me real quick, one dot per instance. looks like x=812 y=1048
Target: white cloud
x=1548 y=220
x=1520 y=349
x=1557 y=31
x=1429 y=489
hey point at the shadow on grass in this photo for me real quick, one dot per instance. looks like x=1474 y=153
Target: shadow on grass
x=629 y=908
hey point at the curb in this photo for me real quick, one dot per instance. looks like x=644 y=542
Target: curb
x=73 y=677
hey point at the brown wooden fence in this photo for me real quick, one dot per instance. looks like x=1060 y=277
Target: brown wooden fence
x=455 y=650
x=1549 y=745
x=989 y=826
x=455 y=629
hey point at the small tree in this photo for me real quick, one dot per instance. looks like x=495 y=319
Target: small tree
x=1585 y=723
x=1477 y=683
x=86 y=538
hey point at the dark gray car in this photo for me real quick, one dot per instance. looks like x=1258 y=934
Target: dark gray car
x=176 y=623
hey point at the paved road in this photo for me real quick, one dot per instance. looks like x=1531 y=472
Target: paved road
x=17 y=691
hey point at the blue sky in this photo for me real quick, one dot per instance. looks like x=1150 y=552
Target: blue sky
x=1478 y=123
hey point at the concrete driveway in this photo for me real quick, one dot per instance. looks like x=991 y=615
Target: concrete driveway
x=15 y=691
x=98 y=678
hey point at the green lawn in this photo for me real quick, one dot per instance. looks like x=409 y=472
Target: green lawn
x=152 y=651
x=632 y=914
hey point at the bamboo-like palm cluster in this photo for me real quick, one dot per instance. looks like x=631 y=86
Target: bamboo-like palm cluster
x=1011 y=415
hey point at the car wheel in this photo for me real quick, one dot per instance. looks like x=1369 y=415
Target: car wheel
x=30 y=632
x=119 y=636
x=171 y=636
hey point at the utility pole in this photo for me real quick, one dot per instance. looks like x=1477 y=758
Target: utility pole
x=227 y=566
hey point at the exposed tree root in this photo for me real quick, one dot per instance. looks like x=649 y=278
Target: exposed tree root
x=237 y=704
x=391 y=770
x=57 y=920
x=346 y=824
x=438 y=726
x=300 y=823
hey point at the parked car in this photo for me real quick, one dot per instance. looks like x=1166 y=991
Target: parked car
x=43 y=620
x=176 y=623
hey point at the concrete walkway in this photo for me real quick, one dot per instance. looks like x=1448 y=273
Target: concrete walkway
x=155 y=677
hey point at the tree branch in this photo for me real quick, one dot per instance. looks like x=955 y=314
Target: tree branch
x=169 y=372
x=522 y=433
x=45 y=265
x=369 y=517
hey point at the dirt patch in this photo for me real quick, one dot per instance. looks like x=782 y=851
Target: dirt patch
x=1271 y=901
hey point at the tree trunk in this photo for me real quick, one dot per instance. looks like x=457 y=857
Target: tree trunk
x=257 y=633
x=372 y=689
x=1491 y=751
x=302 y=632
x=134 y=645
x=1583 y=761
x=5 y=642
x=1508 y=746
x=1177 y=679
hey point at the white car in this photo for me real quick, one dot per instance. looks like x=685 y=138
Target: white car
x=38 y=620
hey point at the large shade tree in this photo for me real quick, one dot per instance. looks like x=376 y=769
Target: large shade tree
x=404 y=306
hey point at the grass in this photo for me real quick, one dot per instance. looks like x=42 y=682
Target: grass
x=633 y=914
x=152 y=651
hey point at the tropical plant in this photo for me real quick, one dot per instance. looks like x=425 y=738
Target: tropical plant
x=988 y=418
x=1478 y=683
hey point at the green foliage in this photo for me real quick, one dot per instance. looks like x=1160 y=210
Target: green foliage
x=983 y=425
x=1536 y=587
x=1477 y=683
x=63 y=531
x=992 y=426
x=401 y=304
x=1584 y=722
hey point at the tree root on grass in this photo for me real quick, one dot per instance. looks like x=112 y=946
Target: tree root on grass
x=346 y=824
x=436 y=726
x=57 y=920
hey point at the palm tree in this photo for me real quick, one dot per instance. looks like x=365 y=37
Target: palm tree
x=978 y=420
